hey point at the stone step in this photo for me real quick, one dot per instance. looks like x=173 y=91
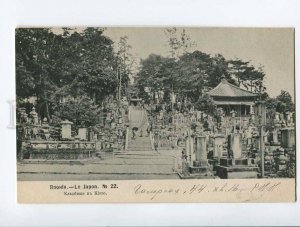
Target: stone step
x=140 y=149
x=104 y=155
x=139 y=143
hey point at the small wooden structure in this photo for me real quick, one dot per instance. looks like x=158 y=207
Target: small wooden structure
x=232 y=98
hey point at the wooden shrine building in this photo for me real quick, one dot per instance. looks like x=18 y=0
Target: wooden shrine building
x=232 y=98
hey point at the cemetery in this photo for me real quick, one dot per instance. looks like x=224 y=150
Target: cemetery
x=45 y=141
x=232 y=145
x=188 y=115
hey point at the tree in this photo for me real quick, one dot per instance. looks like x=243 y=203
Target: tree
x=247 y=76
x=205 y=103
x=52 y=65
x=282 y=103
x=156 y=74
x=125 y=63
x=285 y=102
x=82 y=111
x=236 y=68
x=219 y=70
x=192 y=74
x=179 y=43
x=36 y=57
x=96 y=74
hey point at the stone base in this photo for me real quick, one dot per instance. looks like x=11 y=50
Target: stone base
x=61 y=154
x=237 y=171
x=197 y=172
x=196 y=176
x=200 y=163
x=233 y=162
x=200 y=169
x=213 y=162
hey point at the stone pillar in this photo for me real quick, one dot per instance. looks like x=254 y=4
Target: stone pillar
x=192 y=151
x=82 y=133
x=288 y=137
x=187 y=148
x=275 y=136
x=252 y=117
x=251 y=109
x=236 y=145
x=266 y=138
x=66 y=129
x=219 y=141
x=277 y=117
x=201 y=154
x=98 y=146
x=288 y=116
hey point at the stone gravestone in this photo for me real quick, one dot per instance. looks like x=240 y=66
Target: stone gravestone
x=82 y=133
x=275 y=136
x=218 y=142
x=66 y=129
x=236 y=145
x=288 y=138
x=200 y=168
x=201 y=154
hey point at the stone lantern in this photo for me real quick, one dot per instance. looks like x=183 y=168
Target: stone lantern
x=34 y=116
x=46 y=128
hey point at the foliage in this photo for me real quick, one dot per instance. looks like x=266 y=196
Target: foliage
x=178 y=42
x=81 y=111
x=247 y=76
x=282 y=103
x=51 y=65
x=285 y=101
x=156 y=74
x=125 y=63
x=192 y=74
x=205 y=103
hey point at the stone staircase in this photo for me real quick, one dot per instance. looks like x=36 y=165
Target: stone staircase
x=138 y=119
x=140 y=144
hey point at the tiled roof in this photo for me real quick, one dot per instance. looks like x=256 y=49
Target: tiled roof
x=225 y=89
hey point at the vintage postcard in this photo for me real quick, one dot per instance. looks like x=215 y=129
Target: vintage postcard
x=162 y=114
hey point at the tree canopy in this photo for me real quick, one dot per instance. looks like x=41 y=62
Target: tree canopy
x=192 y=74
x=51 y=65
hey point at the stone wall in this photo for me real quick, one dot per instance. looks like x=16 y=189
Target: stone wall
x=59 y=150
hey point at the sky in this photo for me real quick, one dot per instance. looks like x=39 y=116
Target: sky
x=272 y=48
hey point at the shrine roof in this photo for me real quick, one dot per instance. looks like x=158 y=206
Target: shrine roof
x=226 y=89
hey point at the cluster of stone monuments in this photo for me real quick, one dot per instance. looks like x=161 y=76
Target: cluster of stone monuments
x=212 y=146
x=37 y=138
x=231 y=146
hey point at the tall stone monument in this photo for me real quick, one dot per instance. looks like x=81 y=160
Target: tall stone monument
x=66 y=132
x=218 y=143
x=288 y=137
x=200 y=168
x=235 y=165
x=82 y=133
x=235 y=145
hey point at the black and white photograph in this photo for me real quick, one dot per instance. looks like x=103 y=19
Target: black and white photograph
x=149 y=113
x=134 y=103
